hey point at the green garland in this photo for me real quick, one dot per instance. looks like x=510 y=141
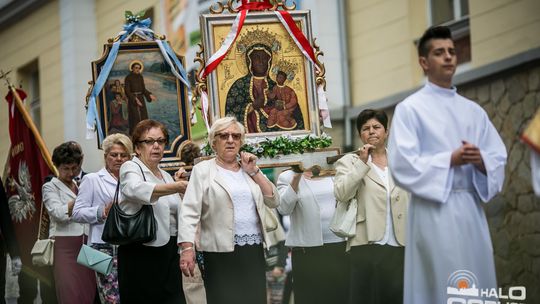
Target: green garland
x=281 y=145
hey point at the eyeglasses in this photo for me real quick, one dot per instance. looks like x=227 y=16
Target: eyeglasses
x=116 y=154
x=151 y=141
x=225 y=136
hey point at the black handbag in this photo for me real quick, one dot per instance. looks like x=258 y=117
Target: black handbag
x=121 y=228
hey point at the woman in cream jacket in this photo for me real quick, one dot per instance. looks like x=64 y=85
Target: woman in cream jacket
x=377 y=252
x=226 y=197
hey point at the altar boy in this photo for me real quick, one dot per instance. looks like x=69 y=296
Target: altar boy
x=445 y=151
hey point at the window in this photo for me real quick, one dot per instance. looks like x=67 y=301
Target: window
x=30 y=84
x=443 y=11
x=455 y=15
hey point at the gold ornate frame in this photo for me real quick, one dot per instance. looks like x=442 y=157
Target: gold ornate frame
x=216 y=25
x=167 y=89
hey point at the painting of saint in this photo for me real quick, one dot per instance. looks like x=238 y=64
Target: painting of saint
x=139 y=85
x=136 y=93
x=252 y=97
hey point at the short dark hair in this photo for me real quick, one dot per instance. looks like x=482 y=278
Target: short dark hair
x=144 y=126
x=368 y=114
x=434 y=32
x=189 y=152
x=67 y=153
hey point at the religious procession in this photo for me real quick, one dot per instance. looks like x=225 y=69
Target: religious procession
x=270 y=152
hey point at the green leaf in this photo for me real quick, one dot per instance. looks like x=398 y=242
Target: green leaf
x=141 y=14
x=282 y=145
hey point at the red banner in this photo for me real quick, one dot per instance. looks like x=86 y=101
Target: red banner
x=25 y=172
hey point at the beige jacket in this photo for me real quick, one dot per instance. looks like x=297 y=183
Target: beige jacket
x=354 y=177
x=208 y=200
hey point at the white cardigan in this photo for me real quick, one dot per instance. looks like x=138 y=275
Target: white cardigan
x=56 y=196
x=138 y=192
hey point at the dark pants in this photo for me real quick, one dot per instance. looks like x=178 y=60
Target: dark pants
x=377 y=274
x=2 y=272
x=321 y=274
x=28 y=287
x=236 y=277
x=150 y=274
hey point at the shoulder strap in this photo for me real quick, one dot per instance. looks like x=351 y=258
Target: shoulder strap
x=144 y=177
x=115 y=200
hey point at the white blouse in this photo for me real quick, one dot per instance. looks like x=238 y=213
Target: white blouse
x=323 y=193
x=246 y=221
x=389 y=237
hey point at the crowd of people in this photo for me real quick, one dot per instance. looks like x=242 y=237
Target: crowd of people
x=418 y=199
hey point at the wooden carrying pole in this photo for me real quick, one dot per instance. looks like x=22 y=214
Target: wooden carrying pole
x=332 y=159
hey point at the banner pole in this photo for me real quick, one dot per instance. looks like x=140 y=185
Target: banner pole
x=41 y=144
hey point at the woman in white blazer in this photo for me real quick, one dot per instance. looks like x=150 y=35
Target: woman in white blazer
x=149 y=272
x=377 y=250
x=74 y=283
x=93 y=203
x=319 y=261
x=226 y=197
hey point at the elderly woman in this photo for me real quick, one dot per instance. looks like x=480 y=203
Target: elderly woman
x=92 y=205
x=316 y=251
x=377 y=249
x=74 y=283
x=226 y=197
x=149 y=272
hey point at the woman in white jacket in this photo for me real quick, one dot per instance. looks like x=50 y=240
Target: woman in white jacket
x=92 y=205
x=149 y=272
x=320 y=265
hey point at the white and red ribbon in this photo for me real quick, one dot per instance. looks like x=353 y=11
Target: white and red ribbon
x=204 y=104
x=218 y=56
x=305 y=47
x=298 y=37
x=323 y=107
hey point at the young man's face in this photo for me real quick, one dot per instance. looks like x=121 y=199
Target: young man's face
x=440 y=63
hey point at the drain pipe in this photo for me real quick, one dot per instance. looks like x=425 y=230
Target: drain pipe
x=347 y=128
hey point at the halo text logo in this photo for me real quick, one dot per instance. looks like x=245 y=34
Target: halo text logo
x=462 y=288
